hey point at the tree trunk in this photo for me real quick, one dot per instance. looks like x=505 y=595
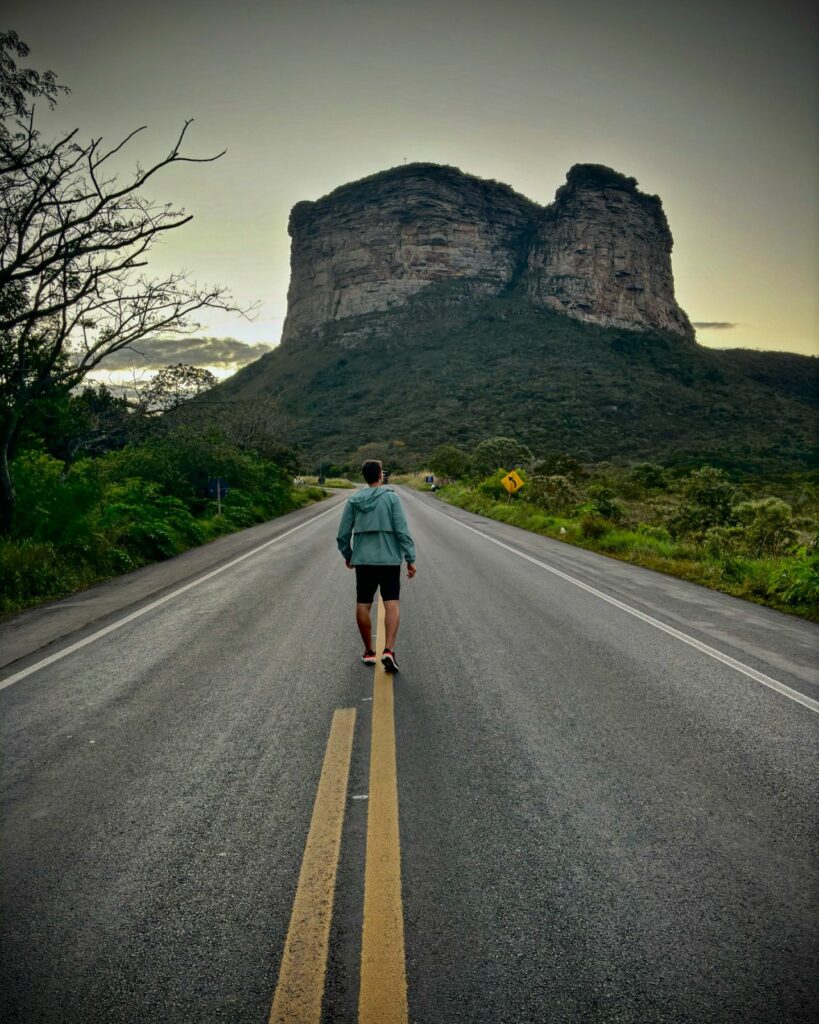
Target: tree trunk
x=7 y=496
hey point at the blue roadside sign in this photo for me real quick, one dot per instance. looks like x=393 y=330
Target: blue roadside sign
x=217 y=487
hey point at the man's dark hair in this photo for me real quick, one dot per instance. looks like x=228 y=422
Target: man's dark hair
x=371 y=470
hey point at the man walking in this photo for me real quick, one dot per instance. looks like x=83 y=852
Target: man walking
x=374 y=520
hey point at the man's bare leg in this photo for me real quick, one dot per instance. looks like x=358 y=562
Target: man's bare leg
x=365 y=624
x=392 y=616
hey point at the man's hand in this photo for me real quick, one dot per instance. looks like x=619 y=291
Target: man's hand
x=346 y=562
x=410 y=570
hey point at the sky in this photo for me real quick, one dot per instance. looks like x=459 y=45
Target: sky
x=714 y=106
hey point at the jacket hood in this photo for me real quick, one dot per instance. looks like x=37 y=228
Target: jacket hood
x=368 y=497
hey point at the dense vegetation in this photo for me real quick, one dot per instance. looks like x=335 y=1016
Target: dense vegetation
x=452 y=366
x=751 y=537
x=102 y=489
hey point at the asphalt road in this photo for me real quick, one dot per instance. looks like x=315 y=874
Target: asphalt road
x=600 y=820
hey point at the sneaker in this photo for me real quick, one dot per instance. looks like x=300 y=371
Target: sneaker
x=368 y=657
x=388 y=660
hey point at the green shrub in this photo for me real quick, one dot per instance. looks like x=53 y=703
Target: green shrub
x=721 y=542
x=764 y=527
x=182 y=464
x=52 y=504
x=655 y=532
x=602 y=502
x=707 y=500
x=448 y=461
x=797 y=582
x=592 y=527
x=239 y=511
x=498 y=453
x=555 y=493
x=148 y=524
x=757 y=577
x=649 y=476
x=121 y=560
x=767 y=526
x=558 y=464
x=28 y=570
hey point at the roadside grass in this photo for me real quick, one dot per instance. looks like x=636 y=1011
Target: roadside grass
x=333 y=481
x=787 y=583
x=414 y=480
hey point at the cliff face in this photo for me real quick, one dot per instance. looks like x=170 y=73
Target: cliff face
x=599 y=253
x=602 y=253
x=370 y=245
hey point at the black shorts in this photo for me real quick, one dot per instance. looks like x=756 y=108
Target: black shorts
x=368 y=578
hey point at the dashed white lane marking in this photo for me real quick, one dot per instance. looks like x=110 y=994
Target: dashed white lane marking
x=154 y=604
x=712 y=652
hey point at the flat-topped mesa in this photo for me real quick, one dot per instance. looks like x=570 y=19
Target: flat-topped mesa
x=372 y=244
x=600 y=252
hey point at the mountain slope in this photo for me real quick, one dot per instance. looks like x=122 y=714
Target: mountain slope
x=453 y=366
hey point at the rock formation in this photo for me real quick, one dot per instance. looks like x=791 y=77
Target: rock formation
x=371 y=244
x=600 y=253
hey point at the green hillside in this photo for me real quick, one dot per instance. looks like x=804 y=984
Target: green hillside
x=449 y=367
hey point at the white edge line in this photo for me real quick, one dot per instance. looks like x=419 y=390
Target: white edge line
x=752 y=673
x=154 y=604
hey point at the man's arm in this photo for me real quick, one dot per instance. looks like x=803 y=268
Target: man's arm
x=345 y=532
x=401 y=530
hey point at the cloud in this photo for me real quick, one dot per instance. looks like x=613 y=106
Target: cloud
x=714 y=325
x=154 y=353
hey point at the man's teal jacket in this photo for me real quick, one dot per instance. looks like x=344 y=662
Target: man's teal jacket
x=373 y=529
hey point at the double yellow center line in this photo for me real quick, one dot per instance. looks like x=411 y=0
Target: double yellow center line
x=304 y=961
x=383 y=991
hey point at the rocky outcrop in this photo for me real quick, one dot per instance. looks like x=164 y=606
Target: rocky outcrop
x=370 y=245
x=600 y=252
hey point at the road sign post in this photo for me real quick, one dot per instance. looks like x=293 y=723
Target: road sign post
x=513 y=483
x=218 y=488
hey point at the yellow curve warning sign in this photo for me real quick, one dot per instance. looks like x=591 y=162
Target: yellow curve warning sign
x=512 y=482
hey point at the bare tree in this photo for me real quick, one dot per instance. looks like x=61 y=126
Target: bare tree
x=74 y=239
x=254 y=423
